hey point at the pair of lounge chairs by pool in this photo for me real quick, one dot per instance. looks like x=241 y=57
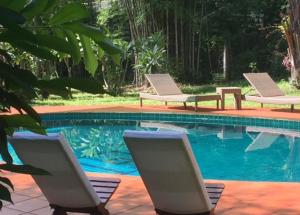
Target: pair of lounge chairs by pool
x=267 y=92
x=164 y=159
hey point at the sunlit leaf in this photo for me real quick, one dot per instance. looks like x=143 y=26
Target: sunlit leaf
x=53 y=42
x=90 y=59
x=69 y=13
x=75 y=53
x=109 y=47
x=96 y=34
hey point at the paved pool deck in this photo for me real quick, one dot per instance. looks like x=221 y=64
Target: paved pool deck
x=131 y=198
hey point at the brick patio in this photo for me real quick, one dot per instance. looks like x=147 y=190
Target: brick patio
x=131 y=198
x=239 y=198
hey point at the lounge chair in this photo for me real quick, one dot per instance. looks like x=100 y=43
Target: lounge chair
x=166 y=90
x=268 y=92
x=267 y=136
x=171 y=174
x=67 y=188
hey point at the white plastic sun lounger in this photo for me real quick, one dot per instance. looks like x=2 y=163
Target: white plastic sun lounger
x=267 y=136
x=268 y=92
x=263 y=141
x=171 y=174
x=166 y=90
x=67 y=188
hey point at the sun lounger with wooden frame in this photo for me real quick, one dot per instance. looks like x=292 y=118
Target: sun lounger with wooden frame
x=171 y=174
x=267 y=91
x=166 y=91
x=67 y=188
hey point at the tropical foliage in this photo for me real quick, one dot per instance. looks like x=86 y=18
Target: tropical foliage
x=47 y=31
x=291 y=29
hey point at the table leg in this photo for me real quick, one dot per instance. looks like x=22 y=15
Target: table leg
x=238 y=101
x=222 y=101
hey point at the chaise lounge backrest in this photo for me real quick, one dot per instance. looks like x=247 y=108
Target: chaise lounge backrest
x=263 y=84
x=163 y=84
x=67 y=186
x=169 y=171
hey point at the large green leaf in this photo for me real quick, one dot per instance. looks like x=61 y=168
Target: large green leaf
x=5 y=194
x=16 y=5
x=109 y=47
x=3 y=142
x=24 y=169
x=54 y=88
x=33 y=42
x=89 y=86
x=96 y=34
x=51 y=5
x=8 y=16
x=26 y=41
x=76 y=54
x=15 y=32
x=69 y=13
x=34 y=8
x=6 y=181
x=90 y=59
x=10 y=99
x=55 y=43
x=11 y=76
x=23 y=121
x=37 y=51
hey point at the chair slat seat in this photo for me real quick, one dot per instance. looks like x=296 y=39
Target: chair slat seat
x=104 y=187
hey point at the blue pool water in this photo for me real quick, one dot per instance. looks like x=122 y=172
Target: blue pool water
x=229 y=152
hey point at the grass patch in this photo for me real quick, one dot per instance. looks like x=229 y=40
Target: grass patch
x=130 y=96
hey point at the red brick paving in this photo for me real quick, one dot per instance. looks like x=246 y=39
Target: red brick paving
x=248 y=112
x=131 y=198
x=239 y=198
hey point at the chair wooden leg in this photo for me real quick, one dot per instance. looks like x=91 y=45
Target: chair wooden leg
x=218 y=104
x=292 y=108
x=166 y=104
x=59 y=211
x=261 y=105
x=184 y=103
x=196 y=106
x=141 y=102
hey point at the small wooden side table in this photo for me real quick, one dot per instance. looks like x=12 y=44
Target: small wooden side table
x=236 y=91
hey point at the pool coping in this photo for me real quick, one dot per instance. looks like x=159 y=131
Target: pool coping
x=176 y=117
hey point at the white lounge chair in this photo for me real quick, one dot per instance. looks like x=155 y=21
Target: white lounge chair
x=167 y=91
x=267 y=136
x=267 y=91
x=171 y=174
x=67 y=188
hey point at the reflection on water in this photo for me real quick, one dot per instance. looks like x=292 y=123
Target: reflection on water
x=223 y=152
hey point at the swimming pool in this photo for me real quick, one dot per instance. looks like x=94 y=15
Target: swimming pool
x=227 y=148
